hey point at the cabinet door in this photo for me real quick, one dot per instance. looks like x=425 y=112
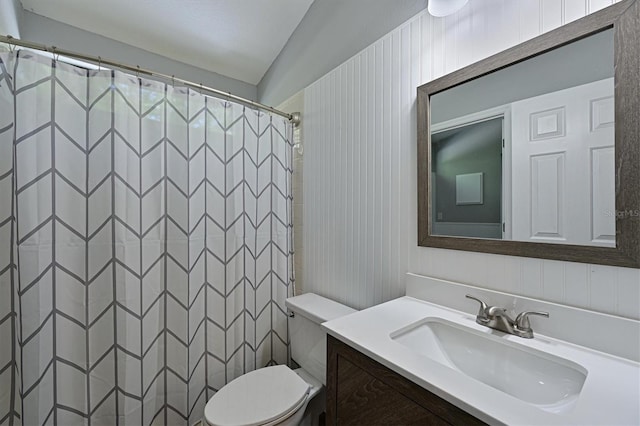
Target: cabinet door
x=361 y=391
x=364 y=400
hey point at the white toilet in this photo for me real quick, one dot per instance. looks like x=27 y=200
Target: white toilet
x=278 y=395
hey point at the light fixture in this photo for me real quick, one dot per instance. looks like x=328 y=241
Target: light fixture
x=441 y=8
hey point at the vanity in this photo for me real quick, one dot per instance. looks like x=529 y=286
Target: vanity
x=362 y=391
x=423 y=359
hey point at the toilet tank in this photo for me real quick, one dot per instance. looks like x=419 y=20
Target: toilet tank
x=308 y=340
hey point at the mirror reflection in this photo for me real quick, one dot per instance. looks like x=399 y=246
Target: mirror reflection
x=526 y=153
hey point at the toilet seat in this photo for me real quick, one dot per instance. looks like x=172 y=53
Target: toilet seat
x=261 y=397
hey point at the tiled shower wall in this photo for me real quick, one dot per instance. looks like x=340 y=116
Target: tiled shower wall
x=360 y=168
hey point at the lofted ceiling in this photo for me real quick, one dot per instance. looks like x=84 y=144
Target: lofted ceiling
x=235 y=38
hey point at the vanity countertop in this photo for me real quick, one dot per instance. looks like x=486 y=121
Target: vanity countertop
x=610 y=394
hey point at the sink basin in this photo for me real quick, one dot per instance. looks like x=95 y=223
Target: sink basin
x=547 y=381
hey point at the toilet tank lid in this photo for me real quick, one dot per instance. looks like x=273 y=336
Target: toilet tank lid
x=317 y=308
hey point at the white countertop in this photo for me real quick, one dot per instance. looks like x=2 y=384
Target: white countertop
x=610 y=395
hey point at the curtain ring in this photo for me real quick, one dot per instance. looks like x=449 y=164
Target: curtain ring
x=173 y=81
x=138 y=71
x=99 y=63
x=12 y=47
x=56 y=56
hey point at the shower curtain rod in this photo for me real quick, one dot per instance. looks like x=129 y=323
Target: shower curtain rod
x=294 y=118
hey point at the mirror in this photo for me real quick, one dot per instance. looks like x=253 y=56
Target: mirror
x=527 y=153
x=534 y=151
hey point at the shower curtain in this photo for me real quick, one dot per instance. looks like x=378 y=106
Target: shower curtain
x=145 y=245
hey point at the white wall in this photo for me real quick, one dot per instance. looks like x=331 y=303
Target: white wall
x=10 y=16
x=40 y=29
x=330 y=33
x=360 y=168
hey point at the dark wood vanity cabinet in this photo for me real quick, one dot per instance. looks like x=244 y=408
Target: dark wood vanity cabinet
x=361 y=391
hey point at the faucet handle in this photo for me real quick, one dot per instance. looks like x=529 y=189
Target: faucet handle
x=522 y=320
x=482 y=312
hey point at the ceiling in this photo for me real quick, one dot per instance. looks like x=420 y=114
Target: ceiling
x=235 y=38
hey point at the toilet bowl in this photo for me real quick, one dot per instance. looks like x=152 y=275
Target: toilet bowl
x=273 y=395
x=278 y=395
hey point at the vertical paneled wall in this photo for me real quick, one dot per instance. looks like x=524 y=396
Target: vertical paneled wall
x=360 y=167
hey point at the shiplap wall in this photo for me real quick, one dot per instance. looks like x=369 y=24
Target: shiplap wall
x=360 y=168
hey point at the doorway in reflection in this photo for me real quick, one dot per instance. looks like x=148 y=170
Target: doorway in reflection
x=467 y=179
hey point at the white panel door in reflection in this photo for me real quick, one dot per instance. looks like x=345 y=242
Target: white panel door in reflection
x=563 y=166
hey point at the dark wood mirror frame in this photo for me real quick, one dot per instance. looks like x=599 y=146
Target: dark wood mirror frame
x=624 y=18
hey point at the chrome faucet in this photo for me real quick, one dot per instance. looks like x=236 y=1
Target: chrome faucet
x=497 y=318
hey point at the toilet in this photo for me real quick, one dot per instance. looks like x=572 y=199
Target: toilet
x=278 y=395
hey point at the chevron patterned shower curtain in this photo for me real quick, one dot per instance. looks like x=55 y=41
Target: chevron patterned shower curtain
x=145 y=245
